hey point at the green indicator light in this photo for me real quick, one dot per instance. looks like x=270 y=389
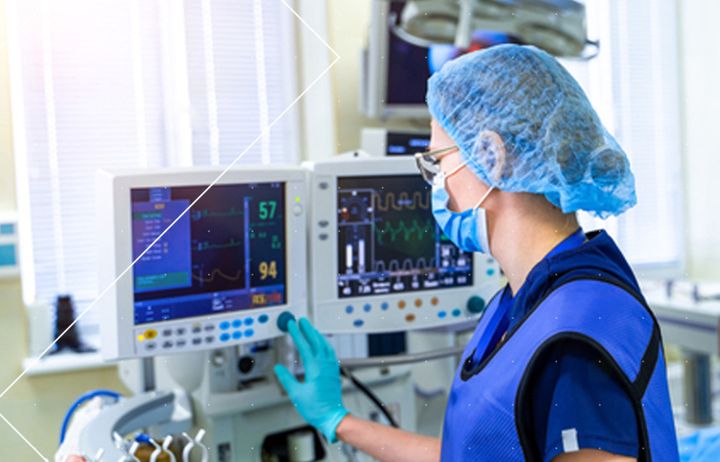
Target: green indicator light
x=297 y=199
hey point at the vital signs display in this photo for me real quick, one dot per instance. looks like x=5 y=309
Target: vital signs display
x=199 y=258
x=388 y=240
x=225 y=254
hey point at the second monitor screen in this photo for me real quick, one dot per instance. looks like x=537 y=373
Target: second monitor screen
x=388 y=241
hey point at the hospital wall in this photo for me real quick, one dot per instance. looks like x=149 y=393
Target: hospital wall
x=36 y=404
x=348 y=26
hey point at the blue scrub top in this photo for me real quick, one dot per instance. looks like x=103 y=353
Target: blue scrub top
x=574 y=389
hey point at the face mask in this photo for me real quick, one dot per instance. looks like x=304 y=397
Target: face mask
x=468 y=229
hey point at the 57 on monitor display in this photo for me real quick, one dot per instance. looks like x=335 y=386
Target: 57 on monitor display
x=388 y=241
x=226 y=254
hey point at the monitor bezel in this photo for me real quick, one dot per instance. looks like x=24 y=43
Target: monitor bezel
x=115 y=231
x=323 y=254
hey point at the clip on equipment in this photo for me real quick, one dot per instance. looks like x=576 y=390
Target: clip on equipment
x=124 y=446
x=160 y=449
x=191 y=443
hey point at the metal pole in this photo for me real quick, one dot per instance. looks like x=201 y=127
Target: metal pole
x=697 y=388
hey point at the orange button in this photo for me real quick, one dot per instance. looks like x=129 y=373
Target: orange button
x=434 y=301
x=150 y=334
x=410 y=317
x=418 y=302
x=401 y=304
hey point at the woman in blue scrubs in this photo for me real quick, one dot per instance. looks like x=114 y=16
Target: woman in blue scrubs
x=566 y=364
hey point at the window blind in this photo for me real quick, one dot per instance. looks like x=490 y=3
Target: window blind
x=633 y=83
x=240 y=62
x=96 y=84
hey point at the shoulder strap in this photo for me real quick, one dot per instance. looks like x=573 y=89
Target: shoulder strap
x=635 y=389
x=651 y=354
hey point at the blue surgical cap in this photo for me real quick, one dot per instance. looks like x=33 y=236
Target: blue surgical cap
x=554 y=141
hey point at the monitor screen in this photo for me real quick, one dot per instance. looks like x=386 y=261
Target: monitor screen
x=406 y=144
x=409 y=66
x=226 y=254
x=388 y=241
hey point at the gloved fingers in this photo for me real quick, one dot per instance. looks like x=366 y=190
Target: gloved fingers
x=300 y=342
x=323 y=346
x=311 y=335
x=319 y=342
x=327 y=350
x=286 y=379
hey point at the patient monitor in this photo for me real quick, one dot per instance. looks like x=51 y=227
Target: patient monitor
x=228 y=265
x=379 y=262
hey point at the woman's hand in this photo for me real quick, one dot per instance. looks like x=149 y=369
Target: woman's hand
x=319 y=398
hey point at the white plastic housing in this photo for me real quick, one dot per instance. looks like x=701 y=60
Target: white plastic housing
x=121 y=338
x=377 y=313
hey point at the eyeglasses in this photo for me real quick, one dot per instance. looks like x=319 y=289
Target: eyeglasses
x=429 y=162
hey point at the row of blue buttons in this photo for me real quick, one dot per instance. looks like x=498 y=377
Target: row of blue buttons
x=456 y=313
x=367 y=307
x=225 y=325
x=236 y=335
x=441 y=314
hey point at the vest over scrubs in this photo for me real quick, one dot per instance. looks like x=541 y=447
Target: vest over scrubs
x=587 y=295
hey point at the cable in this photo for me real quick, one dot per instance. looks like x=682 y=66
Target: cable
x=396 y=360
x=370 y=395
x=79 y=402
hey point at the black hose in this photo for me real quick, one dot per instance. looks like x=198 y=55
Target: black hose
x=370 y=395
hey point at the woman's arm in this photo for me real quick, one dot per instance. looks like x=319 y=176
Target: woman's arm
x=591 y=455
x=318 y=399
x=387 y=443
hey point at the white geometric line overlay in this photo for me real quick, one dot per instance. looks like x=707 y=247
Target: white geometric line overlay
x=262 y=134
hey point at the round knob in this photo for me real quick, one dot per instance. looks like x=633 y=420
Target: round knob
x=476 y=304
x=283 y=320
x=245 y=364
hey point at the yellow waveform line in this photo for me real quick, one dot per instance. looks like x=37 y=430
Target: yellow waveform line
x=218 y=272
x=420 y=200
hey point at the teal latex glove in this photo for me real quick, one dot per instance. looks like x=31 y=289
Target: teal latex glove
x=319 y=398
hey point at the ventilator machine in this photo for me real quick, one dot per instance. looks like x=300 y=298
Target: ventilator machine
x=200 y=266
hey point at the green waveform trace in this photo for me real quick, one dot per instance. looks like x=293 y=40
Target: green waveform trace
x=401 y=229
x=232 y=243
x=206 y=213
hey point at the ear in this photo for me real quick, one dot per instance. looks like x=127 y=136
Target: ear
x=491 y=153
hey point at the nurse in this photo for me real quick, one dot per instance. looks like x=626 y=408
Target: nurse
x=567 y=362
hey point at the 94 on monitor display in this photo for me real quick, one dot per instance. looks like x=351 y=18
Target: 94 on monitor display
x=226 y=254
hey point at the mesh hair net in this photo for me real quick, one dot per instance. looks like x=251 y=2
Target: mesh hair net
x=554 y=141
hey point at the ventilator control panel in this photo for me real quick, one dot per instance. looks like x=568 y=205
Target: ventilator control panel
x=208 y=267
x=394 y=268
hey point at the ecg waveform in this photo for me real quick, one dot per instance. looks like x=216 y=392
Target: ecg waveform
x=206 y=213
x=401 y=201
x=388 y=241
x=232 y=243
x=407 y=265
x=392 y=231
x=218 y=273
